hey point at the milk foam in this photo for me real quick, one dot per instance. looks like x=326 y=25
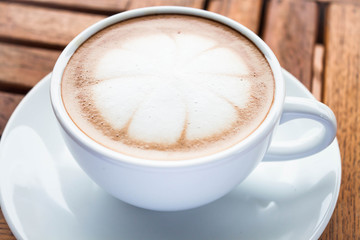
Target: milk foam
x=168 y=87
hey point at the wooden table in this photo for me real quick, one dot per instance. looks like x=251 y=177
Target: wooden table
x=318 y=41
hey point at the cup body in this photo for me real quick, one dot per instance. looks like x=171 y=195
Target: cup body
x=168 y=188
x=167 y=185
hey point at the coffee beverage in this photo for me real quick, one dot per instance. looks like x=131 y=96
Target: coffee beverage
x=168 y=87
x=180 y=84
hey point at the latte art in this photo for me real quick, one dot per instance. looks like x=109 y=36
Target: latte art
x=168 y=87
x=173 y=84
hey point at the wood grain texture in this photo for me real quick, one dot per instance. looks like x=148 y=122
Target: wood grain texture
x=8 y=103
x=42 y=25
x=22 y=67
x=102 y=5
x=5 y=233
x=187 y=3
x=318 y=71
x=342 y=94
x=246 y=12
x=116 y=5
x=290 y=30
x=352 y=2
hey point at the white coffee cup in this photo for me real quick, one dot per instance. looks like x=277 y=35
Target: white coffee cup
x=185 y=184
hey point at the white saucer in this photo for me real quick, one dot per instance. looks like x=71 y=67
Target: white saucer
x=45 y=195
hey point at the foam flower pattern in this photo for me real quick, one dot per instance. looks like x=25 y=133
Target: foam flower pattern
x=191 y=89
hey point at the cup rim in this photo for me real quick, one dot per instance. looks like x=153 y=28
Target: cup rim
x=261 y=132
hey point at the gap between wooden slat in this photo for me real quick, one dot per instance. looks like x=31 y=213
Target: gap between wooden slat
x=351 y=2
x=30 y=43
x=321 y=22
x=262 y=18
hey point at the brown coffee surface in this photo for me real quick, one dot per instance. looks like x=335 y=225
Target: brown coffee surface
x=168 y=87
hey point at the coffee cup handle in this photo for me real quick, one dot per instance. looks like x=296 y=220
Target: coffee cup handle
x=295 y=108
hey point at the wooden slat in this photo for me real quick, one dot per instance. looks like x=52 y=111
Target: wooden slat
x=117 y=5
x=5 y=233
x=22 y=67
x=290 y=31
x=102 y=5
x=50 y=26
x=342 y=94
x=246 y=12
x=8 y=102
x=318 y=70
x=132 y=4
